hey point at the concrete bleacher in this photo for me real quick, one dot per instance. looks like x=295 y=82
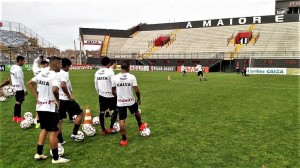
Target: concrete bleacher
x=11 y=38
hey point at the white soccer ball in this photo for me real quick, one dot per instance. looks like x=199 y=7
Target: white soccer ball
x=61 y=150
x=88 y=129
x=116 y=126
x=25 y=124
x=30 y=120
x=2 y=99
x=74 y=117
x=8 y=91
x=96 y=120
x=27 y=114
x=80 y=135
x=145 y=132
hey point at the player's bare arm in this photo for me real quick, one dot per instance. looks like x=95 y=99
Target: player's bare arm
x=31 y=85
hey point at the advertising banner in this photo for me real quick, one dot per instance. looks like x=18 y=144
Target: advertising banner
x=139 y=68
x=269 y=71
x=79 y=67
x=163 y=68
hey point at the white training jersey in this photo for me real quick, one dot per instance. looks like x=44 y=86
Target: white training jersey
x=183 y=68
x=17 y=78
x=65 y=78
x=124 y=83
x=35 y=66
x=103 y=81
x=45 y=81
x=199 y=68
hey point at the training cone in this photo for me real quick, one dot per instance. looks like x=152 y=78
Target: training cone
x=87 y=117
x=169 y=77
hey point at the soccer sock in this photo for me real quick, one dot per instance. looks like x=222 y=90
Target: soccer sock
x=75 y=129
x=138 y=119
x=55 y=153
x=102 y=120
x=37 y=121
x=40 y=149
x=60 y=138
x=113 y=118
x=17 y=110
x=124 y=137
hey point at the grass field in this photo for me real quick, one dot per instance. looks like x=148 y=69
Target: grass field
x=228 y=121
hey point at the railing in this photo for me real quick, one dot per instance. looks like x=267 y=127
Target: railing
x=18 y=27
x=211 y=55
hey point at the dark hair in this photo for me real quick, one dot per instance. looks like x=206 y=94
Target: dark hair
x=44 y=62
x=105 y=61
x=20 y=58
x=125 y=65
x=54 y=58
x=66 y=62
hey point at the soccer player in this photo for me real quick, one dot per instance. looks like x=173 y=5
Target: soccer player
x=237 y=67
x=36 y=70
x=200 y=71
x=111 y=67
x=43 y=64
x=67 y=103
x=47 y=105
x=183 y=70
x=103 y=80
x=122 y=85
x=17 y=80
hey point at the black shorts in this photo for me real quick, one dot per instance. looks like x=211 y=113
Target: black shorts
x=183 y=71
x=107 y=103
x=48 y=120
x=200 y=73
x=20 y=96
x=123 y=110
x=72 y=107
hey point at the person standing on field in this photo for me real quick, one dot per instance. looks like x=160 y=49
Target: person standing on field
x=47 y=106
x=17 y=80
x=103 y=84
x=123 y=85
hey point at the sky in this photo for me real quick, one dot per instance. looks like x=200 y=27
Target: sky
x=58 y=21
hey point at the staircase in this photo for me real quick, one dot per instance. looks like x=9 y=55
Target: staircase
x=173 y=37
x=105 y=46
x=236 y=50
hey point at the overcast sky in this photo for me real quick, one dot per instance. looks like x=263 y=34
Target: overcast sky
x=58 y=21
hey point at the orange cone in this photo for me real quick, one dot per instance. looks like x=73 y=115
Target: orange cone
x=87 y=117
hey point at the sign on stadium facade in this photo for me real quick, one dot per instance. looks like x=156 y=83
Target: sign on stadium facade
x=92 y=42
x=269 y=71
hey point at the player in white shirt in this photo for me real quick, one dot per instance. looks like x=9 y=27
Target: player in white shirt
x=17 y=80
x=122 y=86
x=111 y=67
x=47 y=105
x=200 y=71
x=103 y=80
x=67 y=103
x=183 y=70
x=39 y=64
x=36 y=68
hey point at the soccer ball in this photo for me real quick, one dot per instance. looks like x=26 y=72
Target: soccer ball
x=96 y=120
x=30 y=120
x=61 y=150
x=146 y=132
x=27 y=114
x=80 y=135
x=88 y=129
x=2 y=99
x=25 y=124
x=74 y=117
x=116 y=126
x=8 y=91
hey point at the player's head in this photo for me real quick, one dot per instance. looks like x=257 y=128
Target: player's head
x=55 y=63
x=66 y=63
x=44 y=63
x=105 y=61
x=20 y=60
x=125 y=66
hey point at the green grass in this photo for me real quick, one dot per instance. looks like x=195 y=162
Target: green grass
x=228 y=121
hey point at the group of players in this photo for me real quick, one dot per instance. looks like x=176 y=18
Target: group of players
x=54 y=98
x=199 y=70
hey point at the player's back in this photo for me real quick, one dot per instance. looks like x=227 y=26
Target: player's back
x=103 y=79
